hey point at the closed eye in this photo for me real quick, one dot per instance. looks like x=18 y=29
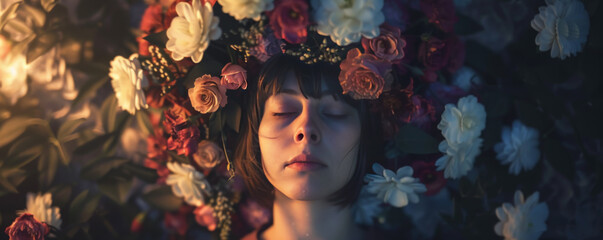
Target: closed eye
x=336 y=116
x=283 y=114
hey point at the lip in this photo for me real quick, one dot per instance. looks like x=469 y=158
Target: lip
x=304 y=162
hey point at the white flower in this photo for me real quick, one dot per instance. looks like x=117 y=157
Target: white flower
x=246 y=9
x=128 y=80
x=13 y=80
x=562 y=27
x=394 y=188
x=188 y=183
x=465 y=78
x=366 y=208
x=458 y=158
x=191 y=30
x=463 y=122
x=519 y=147
x=524 y=221
x=347 y=20
x=39 y=205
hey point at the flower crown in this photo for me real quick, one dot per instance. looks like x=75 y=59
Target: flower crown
x=198 y=55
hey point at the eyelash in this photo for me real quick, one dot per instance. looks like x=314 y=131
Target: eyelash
x=286 y=114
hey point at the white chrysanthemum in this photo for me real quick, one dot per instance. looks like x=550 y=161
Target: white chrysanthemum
x=40 y=205
x=463 y=122
x=524 y=221
x=128 y=80
x=562 y=27
x=346 y=21
x=465 y=78
x=13 y=77
x=519 y=147
x=191 y=30
x=246 y=9
x=188 y=183
x=458 y=158
x=394 y=188
x=366 y=208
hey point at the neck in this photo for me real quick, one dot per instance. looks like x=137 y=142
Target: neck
x=294 y=219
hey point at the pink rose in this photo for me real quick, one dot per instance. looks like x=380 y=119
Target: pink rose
x=362 y=75
x=434 y=53
x=208 y=94
x=234 y=76
x=27 y=227
x=388 y=46
x=254 y=214
x=440 y=13
x=204 y=215
x=208 y=154
x=290 y=20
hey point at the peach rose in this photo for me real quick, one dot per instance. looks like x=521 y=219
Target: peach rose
x=27 y=227
x=388 y=46
x=234 y=76
x=204 y=215
x=362 y=75
x=208 y=94
x=208 y=154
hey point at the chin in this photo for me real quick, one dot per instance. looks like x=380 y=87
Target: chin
x=305 y=192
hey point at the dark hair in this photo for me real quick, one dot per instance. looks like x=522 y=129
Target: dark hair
x=309 y=77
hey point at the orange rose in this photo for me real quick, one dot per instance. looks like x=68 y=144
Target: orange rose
x=362 y=75
x=208 y=94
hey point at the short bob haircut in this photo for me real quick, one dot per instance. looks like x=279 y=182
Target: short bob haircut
x=271 y=78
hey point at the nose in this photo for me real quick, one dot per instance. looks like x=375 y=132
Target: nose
x=307 y=130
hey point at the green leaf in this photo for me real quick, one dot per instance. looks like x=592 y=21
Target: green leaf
x=88 y=90
x=232 y=114
x=82 y=207
x=411 y=139
x=41 y=45
x=144 y=123
x=115 y=188
x=162 y=198
x=60 y=150
x=93 y=144
x=47 y=166
x=68 y=128
x=108 y=113
x=48 y=5
x=101 y=167
x=87 y=8
x=7 y=185
x=61 y=194
x=558 y=157
x=9 y=13
x=158 y=39
x=466 y=25
x=146 y=174
x=23 y=151
x=14 y=127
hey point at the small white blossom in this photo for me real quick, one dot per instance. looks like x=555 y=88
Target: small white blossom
x=346 y=21
x=13 y=77
x=193 y=28
x=128 y=80
x=519 y=147
x=463 y=122
x=458 y=158
x=40 y=205
x=394 y=188
x=246 y=9
x=524 y=221
x=366 y=208
x=465 y=78
x=188 y=183
x=562 y=27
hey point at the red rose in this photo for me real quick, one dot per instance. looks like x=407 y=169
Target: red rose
x=290 y=20
x=204 y=215
x=440 y=13
x=185 y=141
x=362 y=75
x=426 y=172
x=434 y=54
x=177 y=221
x=388 y=45
x=151 y=22
x=27 y=227
x=233 y=77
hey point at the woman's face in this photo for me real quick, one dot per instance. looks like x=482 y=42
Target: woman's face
x=309 y=146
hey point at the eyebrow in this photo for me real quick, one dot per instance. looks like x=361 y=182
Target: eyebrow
x=295 y=92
